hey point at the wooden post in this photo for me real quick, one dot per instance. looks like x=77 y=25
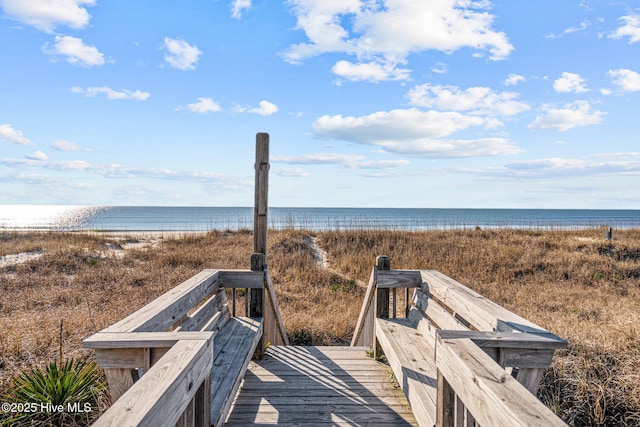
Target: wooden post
x=261 y=194
x=382 y=300
x=260 y=209
x=446 y=398
x=382 y=297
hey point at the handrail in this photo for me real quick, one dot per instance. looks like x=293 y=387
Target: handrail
x=363 y=335
x=490 y=395
x=176 y=386
x=274 y=331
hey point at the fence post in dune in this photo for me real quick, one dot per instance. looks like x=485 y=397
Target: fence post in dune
x=383 y=262
x=261 y=206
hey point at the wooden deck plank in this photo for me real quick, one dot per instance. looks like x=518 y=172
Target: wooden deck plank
x=306 y=386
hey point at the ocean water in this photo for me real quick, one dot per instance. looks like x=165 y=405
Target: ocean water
x=157 y=218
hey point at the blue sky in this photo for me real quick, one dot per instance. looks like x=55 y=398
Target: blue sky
x=369 y=103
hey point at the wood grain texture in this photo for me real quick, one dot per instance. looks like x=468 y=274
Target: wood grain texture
x=487 y=391
x=319 y=386
x=160 y=314
x=482 y=313
x=275 y=333
x=161 y=396
x=233 y=348
x=365 y=326
x=412 y=359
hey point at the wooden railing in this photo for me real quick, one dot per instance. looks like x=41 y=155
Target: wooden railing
x=474 y=390
x=169 y=345
x=456 y=326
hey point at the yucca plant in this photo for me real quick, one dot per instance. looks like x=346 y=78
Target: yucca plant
x=62 y=394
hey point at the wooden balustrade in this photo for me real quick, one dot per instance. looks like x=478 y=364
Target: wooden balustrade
x=443 y=311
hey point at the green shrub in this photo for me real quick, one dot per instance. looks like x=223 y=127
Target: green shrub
x=58 y=395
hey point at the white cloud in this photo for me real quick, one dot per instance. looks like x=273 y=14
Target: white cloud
x=388 y=34
x=237 y=6
x=440 y=68
x=627 y=80
x=570 y=82
x=112 y=94
x=414 y=132
x=118 y=171
x=265 y=108
x=75 y=51
x=291 y=172
x=514 y=79
x=37 y=155
x=180 y=54
x=203 y=106
x=555 y=167
x=62 y=145
x=631 y=29
x=475 y=100
x=319 y=159
x=379 y=164
x=352 y=161
x=575 y=114
x=46 y=15
x=9 y=134
x=369 y=71
x=583 y=26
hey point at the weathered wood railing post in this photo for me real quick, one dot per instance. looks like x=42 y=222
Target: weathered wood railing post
x=383 y=262
x=382 y=298
x=261 y=206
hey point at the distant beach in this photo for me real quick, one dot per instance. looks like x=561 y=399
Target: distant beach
x=197 y=219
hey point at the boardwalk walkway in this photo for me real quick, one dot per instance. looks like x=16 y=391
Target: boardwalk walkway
x=319 y=386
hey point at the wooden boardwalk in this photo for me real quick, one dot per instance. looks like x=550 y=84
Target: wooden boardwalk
x=319 y=386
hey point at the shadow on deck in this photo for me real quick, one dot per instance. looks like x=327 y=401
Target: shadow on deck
x=319 y=386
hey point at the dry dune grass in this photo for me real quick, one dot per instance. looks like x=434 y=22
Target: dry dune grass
x=570 y=282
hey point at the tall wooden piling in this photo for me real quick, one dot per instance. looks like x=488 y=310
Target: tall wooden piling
x=260 y=208
x=261 y=205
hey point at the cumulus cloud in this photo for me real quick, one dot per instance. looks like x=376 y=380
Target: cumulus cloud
x=384 y=34
x=9 y=134
x=514 y=79
x=203 y=106
x=370 y=71
x=112 y=94
x=46 y=15
x=575 y=114
x=414 y=132
x=570 y=82
x=627 y=80
x=38 y=155
x=475 y=100
x=75 y=51
x=631 y=29
x=62 y=145
x=180 y=54
x=237 y=6
x=265 y=108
